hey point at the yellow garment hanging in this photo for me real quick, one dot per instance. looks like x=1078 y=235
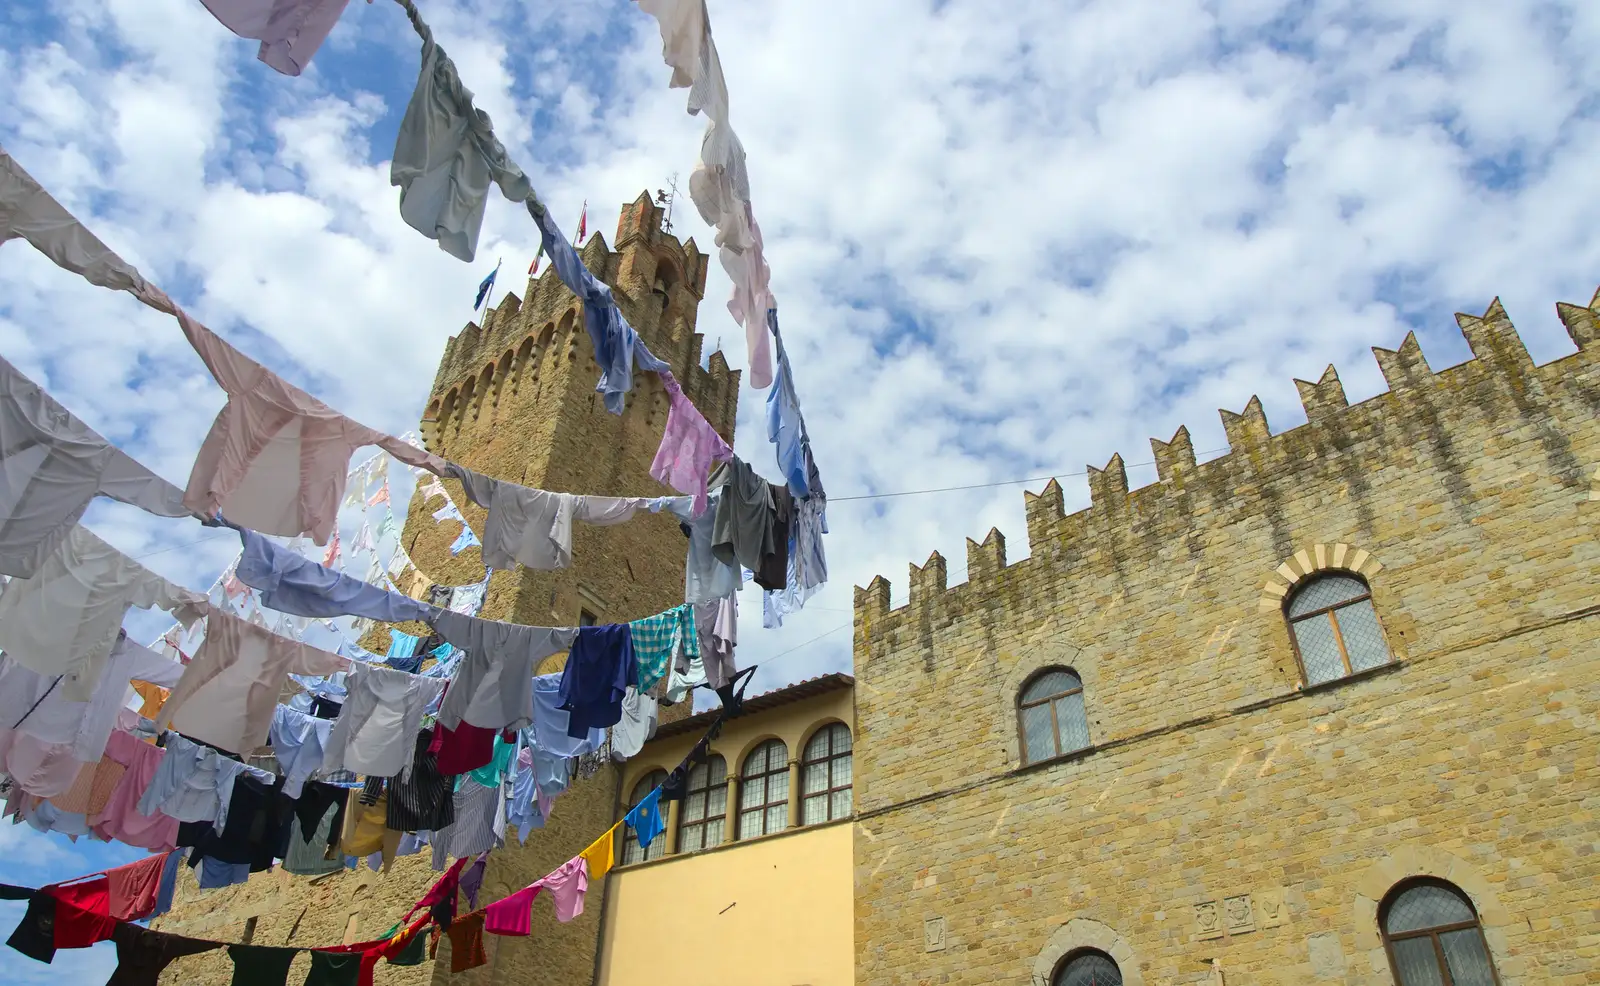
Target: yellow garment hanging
x=601 y=853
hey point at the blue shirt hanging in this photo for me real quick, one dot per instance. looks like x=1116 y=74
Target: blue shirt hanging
x=645 y=818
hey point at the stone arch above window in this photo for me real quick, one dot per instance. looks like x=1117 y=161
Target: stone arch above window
x=1407 y=864
x=1080 y=936
x=1309 y=561
x=1038 y=651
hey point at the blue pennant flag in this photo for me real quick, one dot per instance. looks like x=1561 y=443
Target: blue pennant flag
x=465 y=540
x=483 y=288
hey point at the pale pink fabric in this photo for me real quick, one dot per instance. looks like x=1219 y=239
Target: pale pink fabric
x=227 y=694
x=290 y=31
x=752 y=296
x=41 y=769
x=134 y=888
x=688 y=446
x=275 y=460
x=121 y=819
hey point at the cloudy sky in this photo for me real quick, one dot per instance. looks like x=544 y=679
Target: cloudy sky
x=1007 y=240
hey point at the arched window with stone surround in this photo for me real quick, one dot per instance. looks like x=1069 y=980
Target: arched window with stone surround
x=1334 y=628
x=1433 y=936
x=1087 y=967
x=1051 y=716
x=632 y=852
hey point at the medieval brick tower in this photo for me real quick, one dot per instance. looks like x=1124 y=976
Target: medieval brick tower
x=514 y=399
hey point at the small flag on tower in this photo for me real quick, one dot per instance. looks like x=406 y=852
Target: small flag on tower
x=583 y=223
x=533 y=268
x=483 y=288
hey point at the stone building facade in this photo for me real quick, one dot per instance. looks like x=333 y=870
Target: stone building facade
x=514 y=399
x=1223 y=798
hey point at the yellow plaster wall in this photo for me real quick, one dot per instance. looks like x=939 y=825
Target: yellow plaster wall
x=776 y=911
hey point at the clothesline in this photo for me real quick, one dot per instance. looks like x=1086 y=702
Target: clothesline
x=80 y=912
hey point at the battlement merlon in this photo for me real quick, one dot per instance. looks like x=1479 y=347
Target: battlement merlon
x=1255 y=455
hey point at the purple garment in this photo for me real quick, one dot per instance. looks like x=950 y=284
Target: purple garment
x=472 y=881
x=598 y=672
x=290 y=31
x=291 y=583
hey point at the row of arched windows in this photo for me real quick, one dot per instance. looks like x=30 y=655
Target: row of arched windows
x=1430 y=930
x=763 y=792
x=1332 y=625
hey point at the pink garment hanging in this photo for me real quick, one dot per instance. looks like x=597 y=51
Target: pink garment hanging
x=688 y=446
x=275 y=458
x=512 y=915
x=134 y=887
x=121 y=819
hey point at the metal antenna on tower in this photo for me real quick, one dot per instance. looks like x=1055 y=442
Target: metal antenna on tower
x=665 y=197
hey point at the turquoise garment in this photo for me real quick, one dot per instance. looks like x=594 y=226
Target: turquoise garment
x=657 y=638
x=490 y=774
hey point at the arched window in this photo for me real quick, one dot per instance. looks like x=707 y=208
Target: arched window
x=1088 y=968
x=1433 y=937
x=632 y=852
x=705 y=806
x=1335 y=628
x=1051 y=716
x=764 y=790
x=825 y=775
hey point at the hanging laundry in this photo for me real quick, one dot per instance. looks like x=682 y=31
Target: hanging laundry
x=402 y=645
x=752 y=293
x=716 y=649
x=466 y=942
x=214 y=874
x=421 y=799
x=122 y=820
x=91 y=792
x=28 y=212
x=522 y=808
x=430 y=487
x=261 y=965
x=227 y=693
x=645 y=818
x=657 y=638
x=446 y=155
x=688 y=672
x=467 y=600
x=333 y=551
x=705 y=575
x=601 y=853
x=480 y=824
x=785 y=427
x=752 y=524
x=638 y=722
x=142 y=955
x=466 y=539
x=377 y=728
x=551 y=722
x=308 y=853
x=299 y=740
x=464 y=748
x=33 y=704
x=329 y=969
x=600 y=667
x=194 y=782
x=493 y=688
x=808 y=565
x=493 y=771
x=34 y=935
x=256 y=831
x=83 y=912
x=169 y=882
x=299 y=586
x=364 y=543
x=65 y=620
x=616 y=346
x=382 y=496
x=51 y=466
x=290 y=31
x=689 y=445
x=534 y=527
x=566 y=886
x=134 y=887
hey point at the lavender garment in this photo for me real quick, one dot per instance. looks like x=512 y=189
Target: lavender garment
x=472 y=881
x=291 y=583
x=290 y=31
x=688 y=446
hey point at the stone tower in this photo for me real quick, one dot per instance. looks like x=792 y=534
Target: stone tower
x=514 y=399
